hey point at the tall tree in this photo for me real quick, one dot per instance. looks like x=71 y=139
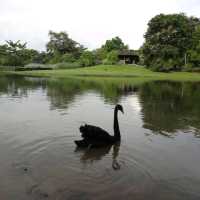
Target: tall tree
x=87 y=59
x=167 y=40
x=60 y=44
x=16 y=54
x=193 y=54
x=115 y=43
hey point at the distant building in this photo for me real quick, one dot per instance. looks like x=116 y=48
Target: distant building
x=128 y=57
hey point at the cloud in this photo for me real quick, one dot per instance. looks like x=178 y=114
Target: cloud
x=89 y=22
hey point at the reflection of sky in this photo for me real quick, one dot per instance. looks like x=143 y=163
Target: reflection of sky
x=133 y=100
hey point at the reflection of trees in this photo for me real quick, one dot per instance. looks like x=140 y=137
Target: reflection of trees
x=19 y=86
x=61 y=92
x=170 y=106
x=166 y=106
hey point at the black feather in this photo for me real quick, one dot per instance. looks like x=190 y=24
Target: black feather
x=94 y=132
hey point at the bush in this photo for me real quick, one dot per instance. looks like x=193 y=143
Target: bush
x=68 y=65
x=194 y=58
x=57 y=58
x=87 y=59
x=34 y=66
x=68 y=57
x=165 y=65
x=111 y=58
x=191 y=69
x=65 y=58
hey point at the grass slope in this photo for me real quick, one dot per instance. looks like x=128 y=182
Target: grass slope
x=125 y=71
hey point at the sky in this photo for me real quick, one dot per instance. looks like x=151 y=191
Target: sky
x=89 y=22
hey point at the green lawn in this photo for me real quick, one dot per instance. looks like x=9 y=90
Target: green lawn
x=130 y=71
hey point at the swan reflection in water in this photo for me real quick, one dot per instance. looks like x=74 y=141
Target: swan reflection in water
x=94 y=155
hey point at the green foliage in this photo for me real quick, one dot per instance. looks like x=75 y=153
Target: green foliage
x=61 y=46
x=111 y=58
x=167 y=40
x=108 y=53
x=136 y=73
x=68 y=57
x=114 y=44
x=194 y=52
x=87 y=59
x=41 y=57
x=68 y=65
x=60 y=43
x=55 y=58
x=100 y=55
x=59 y=58
x=194 y=57
x=16 y=54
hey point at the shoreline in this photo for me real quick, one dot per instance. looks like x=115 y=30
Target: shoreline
x=115 y=71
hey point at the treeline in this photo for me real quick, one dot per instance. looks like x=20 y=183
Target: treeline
x=172 y=43
x=17 y=54
x=61 y=50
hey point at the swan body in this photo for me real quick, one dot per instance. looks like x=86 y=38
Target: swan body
x=94 y=136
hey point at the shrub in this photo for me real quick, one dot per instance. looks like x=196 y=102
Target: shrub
x=68 y=65
x=68 y=57
x=87 y=59
x=111 y=58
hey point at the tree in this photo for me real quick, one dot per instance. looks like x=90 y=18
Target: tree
x=115 y=43
x=108 y=53
x=167 y=40
x=111 y=58
x=87 y=59
x=16 y=54
x=194 y=53
x=41 y=57
x=60 y=44
x=68 y=57
x=100 y=54
x=3 y=54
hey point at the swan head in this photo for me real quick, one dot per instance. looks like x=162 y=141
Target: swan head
x=119 y=107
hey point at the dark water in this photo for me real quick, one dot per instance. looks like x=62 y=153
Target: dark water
x=158 y=158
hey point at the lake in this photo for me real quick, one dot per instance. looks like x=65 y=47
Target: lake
x=158 y=157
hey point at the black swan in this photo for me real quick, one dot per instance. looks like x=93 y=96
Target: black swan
x=94 y=136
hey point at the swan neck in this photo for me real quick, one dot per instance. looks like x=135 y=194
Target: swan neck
x=116 y=125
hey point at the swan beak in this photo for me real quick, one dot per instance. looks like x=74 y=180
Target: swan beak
x=122 y=111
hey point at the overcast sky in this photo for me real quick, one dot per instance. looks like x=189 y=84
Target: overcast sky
x=89 y=22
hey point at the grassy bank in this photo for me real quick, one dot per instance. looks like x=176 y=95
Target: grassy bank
x=126 y=71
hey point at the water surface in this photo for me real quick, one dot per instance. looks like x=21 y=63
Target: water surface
x=158 y=157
